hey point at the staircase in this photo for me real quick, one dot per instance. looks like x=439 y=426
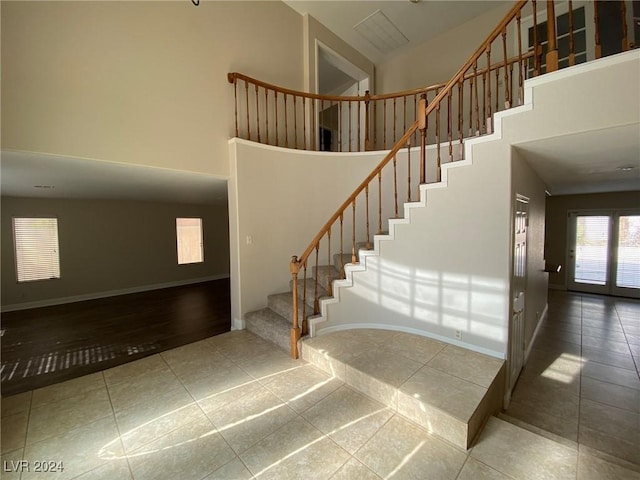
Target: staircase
x=449 y=390
x=436 y=357
x=274 y=322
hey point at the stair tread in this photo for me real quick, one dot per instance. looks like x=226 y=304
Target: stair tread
x=269 y=325
x=268 y=316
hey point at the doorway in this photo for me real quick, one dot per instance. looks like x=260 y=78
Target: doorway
x=339 y=124
x=604 y=252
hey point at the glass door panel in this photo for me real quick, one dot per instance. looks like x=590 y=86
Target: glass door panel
x=592 y=250
x=628 y=252
x=604 y=253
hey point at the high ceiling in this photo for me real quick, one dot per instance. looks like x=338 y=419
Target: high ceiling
x=571 y=164
x=418 y=22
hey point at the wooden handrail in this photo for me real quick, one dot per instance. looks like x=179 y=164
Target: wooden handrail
x=443 y=115
x=233 y=77
x=434 y=105
x=258 y=103
x=403 y=140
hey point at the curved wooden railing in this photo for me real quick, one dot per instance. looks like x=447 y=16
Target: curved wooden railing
x=278 y=116
x=288 y=118
x=471 y=104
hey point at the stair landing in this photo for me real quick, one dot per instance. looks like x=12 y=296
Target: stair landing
x=448 y=390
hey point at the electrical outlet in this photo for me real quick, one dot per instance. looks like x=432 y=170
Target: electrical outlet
x=458 y=335
x=249 y=240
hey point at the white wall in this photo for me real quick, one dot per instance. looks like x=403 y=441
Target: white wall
x=139 y=82
x=437 y=60
x=281 y=198
x=450 y=269
x=447 y=270
x=315 y=32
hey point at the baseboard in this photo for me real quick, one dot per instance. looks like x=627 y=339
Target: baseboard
x=110 y=293
x=237 y=324
x=527 y=351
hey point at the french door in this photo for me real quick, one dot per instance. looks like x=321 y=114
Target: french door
x=604 y=252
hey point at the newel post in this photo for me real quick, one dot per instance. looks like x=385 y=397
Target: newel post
x=625 y=35
x=422 y=125
x=552 y=52
x=294 y=266
x=596 y=20
x=367 y=100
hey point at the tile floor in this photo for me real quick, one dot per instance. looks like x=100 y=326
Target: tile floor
x=449 y=390
x=581 y=380
x=235 y=407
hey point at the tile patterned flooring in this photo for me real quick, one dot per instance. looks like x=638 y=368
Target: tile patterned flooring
x=581 y=381
x=236 y=407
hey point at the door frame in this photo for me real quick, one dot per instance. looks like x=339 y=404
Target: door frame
x=350 y=69
x=610 y=287
x=573 y=286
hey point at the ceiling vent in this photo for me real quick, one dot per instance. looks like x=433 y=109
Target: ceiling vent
x=381 y=32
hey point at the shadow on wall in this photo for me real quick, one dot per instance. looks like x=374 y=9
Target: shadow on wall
x=453 y=307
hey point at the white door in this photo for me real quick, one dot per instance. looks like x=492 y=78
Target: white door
x=352 y=121
x=626 y=255
x=604 y=253
x=518 y=287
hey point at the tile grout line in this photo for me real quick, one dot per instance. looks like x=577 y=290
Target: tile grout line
x=26 y=433
x=624 y=332
x=237 y=456
x=115 y=420
x=203 y=412
x=214 y=426
x=578 y=429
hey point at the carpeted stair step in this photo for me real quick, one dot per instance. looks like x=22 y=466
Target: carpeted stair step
x=311 y=289
x=282 y=304
x=269 y=325
x=326 y=275
x=341 y=259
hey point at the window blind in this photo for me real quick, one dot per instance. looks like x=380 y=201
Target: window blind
x=189 y=237
x=36 y=248
x=628 y=274
x=592 y=247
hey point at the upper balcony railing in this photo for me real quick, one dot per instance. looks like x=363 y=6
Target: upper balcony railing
x=286 y=118
x=282 y=117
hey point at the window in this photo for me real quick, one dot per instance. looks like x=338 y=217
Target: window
x=36 y=248
x=563 y=41
x=189 y=235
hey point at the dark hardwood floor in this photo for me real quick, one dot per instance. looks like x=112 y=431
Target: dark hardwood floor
x=42 y=346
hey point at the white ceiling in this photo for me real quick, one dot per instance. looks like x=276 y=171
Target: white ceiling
x=64 y=177
x=588 y=162
x=418 y=22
